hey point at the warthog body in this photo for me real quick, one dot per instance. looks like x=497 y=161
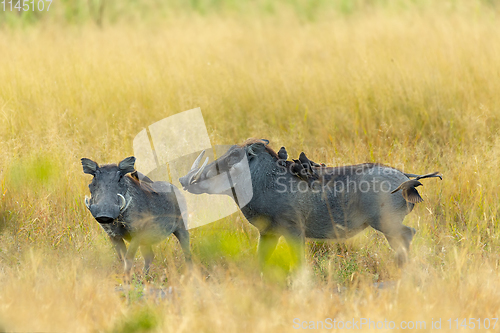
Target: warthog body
x=339 y=204
x=142 y=213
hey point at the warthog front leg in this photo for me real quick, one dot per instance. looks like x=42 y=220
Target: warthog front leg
x=299 y=271
x=148 y=254
x=120 y=247
x=266 y=247
x=296 y=244
x=129 y=258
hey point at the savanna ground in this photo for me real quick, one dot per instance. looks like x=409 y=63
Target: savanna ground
x=409 y=84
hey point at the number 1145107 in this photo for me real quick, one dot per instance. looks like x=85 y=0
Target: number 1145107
x=25 y=5
x=472 y=323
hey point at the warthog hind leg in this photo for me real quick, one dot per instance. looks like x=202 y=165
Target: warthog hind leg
x=398 y=235
x=401 y=243
x=183 y=236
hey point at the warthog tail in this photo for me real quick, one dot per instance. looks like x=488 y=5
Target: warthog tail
x=429 y=175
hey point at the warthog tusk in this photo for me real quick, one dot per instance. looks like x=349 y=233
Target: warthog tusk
x=124 y=202
x=197 y=161
x=198 y=173
x=87 y=202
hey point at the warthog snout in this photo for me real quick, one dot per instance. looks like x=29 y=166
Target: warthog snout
x=104 y=219
x=195 y=172
x=212 y=178
x=105 y=211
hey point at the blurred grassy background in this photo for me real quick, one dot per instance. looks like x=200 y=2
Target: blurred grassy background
x=412 y=84
x=104 y=13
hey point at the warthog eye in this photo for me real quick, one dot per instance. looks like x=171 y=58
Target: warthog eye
x=233 y=158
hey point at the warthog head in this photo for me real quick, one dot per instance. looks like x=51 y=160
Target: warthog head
x=107 y=189
x=212 y=178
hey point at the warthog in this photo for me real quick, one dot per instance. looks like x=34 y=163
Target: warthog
x=141 y=212
x=340 y=203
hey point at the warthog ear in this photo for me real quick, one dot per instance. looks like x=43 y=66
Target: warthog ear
x=127 y=165
x=89 y=166
x=256 y=148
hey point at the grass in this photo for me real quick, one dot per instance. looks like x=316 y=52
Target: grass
x=409 y=84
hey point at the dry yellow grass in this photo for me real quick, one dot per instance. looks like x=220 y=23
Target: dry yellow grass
x=414 y=89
